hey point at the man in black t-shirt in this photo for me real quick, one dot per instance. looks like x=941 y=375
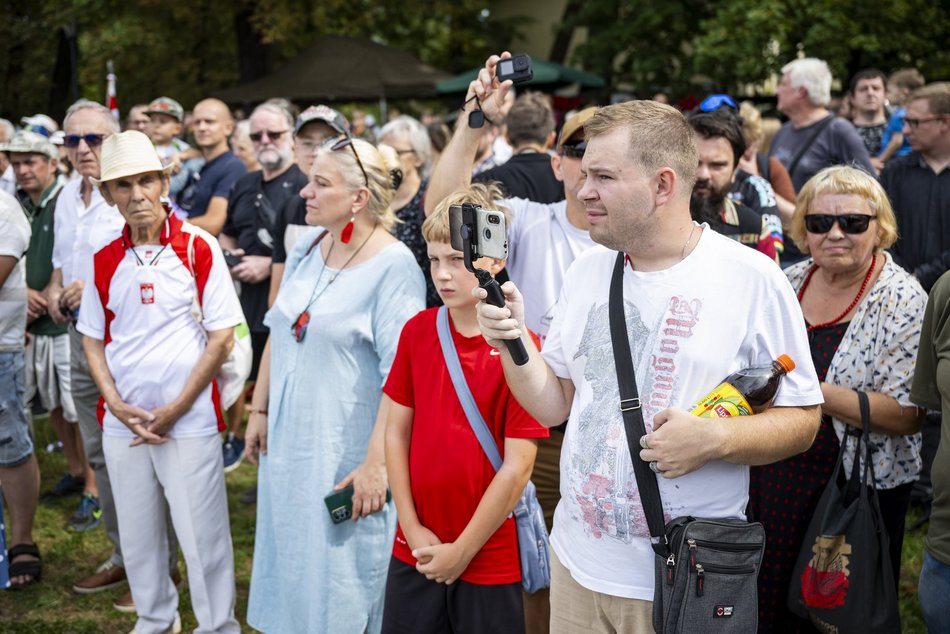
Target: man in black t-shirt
x=314 y=125
x=528 y=173
x=204 y=196
x=248 y=234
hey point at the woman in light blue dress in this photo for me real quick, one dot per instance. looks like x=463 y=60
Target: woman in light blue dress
x=348 y=288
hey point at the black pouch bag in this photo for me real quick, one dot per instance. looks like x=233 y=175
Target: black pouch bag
x=706 y=569
x=843 y=580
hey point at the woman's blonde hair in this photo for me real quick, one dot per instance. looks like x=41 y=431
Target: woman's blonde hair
x=751 y=122
x=382 y=175
x=844 y=179
x=488 y=196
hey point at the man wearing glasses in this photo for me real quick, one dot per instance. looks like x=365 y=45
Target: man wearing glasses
x=249 y=235
x=918 y=185
x=543 y=241
x=84 y=223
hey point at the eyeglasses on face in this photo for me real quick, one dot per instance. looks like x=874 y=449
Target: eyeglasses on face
x=849 y=223
x=347 y=141
x=92 y=140
x=714 y=102
x=272 y=135
x=573 y=150
x=914 y=123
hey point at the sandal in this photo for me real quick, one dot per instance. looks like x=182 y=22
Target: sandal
x=31 y=568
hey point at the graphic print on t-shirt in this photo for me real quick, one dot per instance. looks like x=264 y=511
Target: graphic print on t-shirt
x=606 y=500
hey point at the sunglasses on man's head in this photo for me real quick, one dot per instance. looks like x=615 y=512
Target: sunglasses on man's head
x=574 y=150
x=273 y=136
x=715 y=102
x=38 y=129
x=849 y=223
x=342 y=142
x=92 y=140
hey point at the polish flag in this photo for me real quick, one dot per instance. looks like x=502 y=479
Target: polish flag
x=111 y=102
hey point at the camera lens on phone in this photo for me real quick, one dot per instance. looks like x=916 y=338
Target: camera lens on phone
x=493 y=219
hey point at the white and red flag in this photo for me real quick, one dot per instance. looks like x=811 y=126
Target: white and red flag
x=111 y=102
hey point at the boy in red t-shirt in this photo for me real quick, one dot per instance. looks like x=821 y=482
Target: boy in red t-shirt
x=455 y=564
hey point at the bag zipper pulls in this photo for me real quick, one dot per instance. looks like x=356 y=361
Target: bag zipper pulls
x=692 y=551
x=700 y=573
x=670 y=566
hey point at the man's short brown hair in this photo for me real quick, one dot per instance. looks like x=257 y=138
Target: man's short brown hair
x=659 y=137
x=907 y=78
x=937 y=96
x=530 y=120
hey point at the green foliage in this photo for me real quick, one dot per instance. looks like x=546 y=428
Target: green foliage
x=746 y=41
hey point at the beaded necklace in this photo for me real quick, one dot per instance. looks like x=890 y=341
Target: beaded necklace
x=854 y=302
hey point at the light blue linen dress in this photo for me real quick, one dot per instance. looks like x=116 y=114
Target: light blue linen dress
x=309 y=574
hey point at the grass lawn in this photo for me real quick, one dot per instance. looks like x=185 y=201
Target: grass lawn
x=51 y=607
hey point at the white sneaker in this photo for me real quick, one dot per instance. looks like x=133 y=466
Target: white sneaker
x=174 y=629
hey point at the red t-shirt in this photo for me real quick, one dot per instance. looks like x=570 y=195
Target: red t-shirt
x=448 y=469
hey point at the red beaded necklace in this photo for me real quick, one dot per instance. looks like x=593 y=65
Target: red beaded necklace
x=854 y=302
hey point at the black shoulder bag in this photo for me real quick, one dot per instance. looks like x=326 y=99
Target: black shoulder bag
x=706 y=569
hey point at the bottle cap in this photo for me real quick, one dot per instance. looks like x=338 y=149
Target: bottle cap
x=786 y=362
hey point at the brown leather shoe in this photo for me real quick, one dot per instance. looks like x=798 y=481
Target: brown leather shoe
x=106 y=577
x=126 y=605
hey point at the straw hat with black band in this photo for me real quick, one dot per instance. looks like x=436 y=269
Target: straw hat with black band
x=127 y=154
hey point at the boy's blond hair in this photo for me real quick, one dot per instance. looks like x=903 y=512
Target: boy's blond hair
x=488 y=196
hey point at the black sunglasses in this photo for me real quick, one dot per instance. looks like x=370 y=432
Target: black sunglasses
x=849 y=223
x=915 y=123
x=92 y=140
x=273 y=136
x=343 y=142
x=574 y=150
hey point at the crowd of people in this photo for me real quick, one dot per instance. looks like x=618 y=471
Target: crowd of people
x=135 y=263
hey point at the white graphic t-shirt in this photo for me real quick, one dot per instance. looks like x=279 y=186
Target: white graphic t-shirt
x=722 y=308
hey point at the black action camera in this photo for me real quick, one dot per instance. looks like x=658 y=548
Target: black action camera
x=517 y=68
x=478 y=233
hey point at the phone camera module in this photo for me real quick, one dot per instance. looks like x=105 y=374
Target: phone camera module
x=493 y=219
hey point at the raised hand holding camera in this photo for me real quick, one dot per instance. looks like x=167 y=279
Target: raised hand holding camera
x=478 y=233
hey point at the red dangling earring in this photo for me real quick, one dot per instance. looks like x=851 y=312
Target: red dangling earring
x=347 y=233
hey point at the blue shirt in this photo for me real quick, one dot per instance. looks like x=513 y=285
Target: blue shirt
x=215 y=179
x=895 y=125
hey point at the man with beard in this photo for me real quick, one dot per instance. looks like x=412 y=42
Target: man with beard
x=720 y=143
x=248 y=234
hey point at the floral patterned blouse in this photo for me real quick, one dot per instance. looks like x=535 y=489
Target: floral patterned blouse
x=877 y=354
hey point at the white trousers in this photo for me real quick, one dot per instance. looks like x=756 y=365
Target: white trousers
x=188 y=472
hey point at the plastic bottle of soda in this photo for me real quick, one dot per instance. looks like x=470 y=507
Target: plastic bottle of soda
x=746 y=391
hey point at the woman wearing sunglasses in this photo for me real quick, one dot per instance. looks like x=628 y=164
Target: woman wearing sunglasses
x=317 y=419
x=863 y=314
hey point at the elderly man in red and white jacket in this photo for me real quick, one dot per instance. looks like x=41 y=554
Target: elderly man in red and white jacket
x=158 y=316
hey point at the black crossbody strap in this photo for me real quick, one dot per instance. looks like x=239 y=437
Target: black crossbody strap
x=632 y=411
x=819 y=127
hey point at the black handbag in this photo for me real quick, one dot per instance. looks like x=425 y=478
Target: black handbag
x=843 y=580
x=706 y=570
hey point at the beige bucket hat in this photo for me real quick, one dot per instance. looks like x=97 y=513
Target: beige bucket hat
x=127 y=154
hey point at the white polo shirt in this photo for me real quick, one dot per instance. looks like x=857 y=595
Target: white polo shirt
x=140 y=302
x=79 y=231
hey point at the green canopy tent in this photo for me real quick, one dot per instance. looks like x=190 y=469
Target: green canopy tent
x=545 y=74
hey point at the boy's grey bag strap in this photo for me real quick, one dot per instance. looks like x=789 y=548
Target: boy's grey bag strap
x=474 y=417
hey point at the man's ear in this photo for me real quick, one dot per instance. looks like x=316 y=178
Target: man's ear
x=549 y=143
x=104 y=190
x=556 y=166
x=665 y=183
x=166 y=183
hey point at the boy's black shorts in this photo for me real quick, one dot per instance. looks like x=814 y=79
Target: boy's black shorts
x=415 y=605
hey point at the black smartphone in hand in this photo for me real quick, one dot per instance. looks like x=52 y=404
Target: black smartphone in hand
x=340 y=504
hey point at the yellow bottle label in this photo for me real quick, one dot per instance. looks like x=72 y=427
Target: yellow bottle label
x=723 y=401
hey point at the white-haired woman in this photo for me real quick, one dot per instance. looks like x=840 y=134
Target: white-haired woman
x=410 y=140
x=348 y=288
